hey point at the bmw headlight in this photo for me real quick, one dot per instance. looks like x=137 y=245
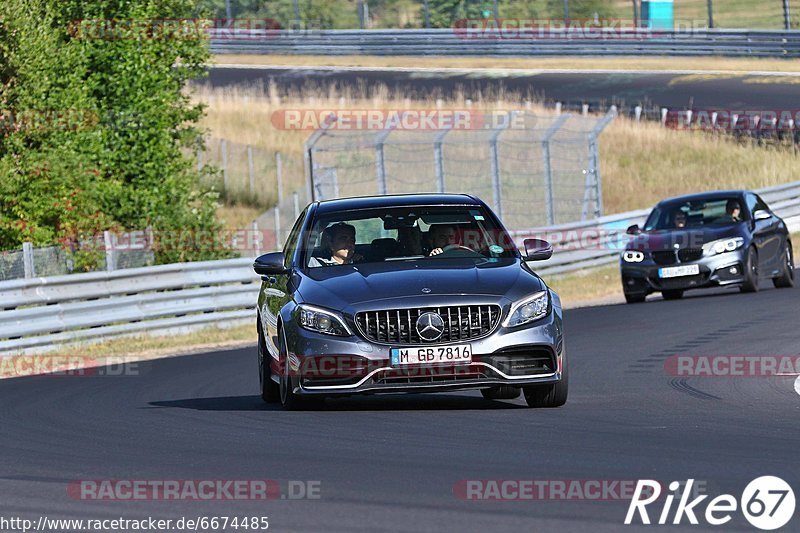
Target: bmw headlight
x=723 y=245
x=528 y=310
x=322 y=321
x=633 y=256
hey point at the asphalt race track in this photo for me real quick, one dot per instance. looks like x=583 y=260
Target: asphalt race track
x=390 y=463
x=673 y=90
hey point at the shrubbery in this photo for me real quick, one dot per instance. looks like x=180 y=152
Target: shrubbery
x=93 y=127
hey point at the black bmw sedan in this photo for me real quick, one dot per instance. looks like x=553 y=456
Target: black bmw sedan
x=702 y=240
x=408 y=293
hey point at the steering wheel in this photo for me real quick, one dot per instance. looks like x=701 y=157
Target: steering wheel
x=457 y=249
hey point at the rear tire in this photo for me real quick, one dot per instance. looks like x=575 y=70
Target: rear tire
x=672 y=295
x=547 y=396
x=503 y=392
x=635 y=298
x=750 y=272
x=786 y=279
x=270 y=391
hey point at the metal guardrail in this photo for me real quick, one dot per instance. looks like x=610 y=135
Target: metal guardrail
x=551 y=42
x=38 y=313
x=41 y=312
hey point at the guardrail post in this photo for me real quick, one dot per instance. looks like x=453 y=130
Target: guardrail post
x=277 y=227
x=787 y=19
x=593 y=179
x=256 y=238
x=27 y=260
x=251 y=170
x=308 y=156
x=711 y=14
x=108 y=243
x=279 y=175
x=380 y=164
x=550 y=209
x=296 y=201
x=223 y=146
x=494 y=160
x=438 y=160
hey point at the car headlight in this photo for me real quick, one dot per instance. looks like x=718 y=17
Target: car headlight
x=528 y=310
x=633 y=256
x=322 y=321
x=723 y=245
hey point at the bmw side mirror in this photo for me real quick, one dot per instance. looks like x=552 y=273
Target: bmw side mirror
x=633 y=230
x=270 y=264
x=538 y=250
x=761 y=215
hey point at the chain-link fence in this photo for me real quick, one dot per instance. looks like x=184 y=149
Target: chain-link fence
x=534 y=170
x=246 y=174
x=106 y=253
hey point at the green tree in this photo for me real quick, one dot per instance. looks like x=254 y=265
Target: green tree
x=109 y=122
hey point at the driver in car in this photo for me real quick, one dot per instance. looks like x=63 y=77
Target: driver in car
x=440 y=237
x=733 y=211
x=337 y=247
x=679 y=219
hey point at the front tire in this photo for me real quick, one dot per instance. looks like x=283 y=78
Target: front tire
x=270 y=391
x=786 y=279
x=750 y=272
x=502 y=392
x=289 y=399
x=672 y=295
x=635 y=298
x=548 y=396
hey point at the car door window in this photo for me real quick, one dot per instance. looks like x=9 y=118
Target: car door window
x=291 y=241
x=752 y=202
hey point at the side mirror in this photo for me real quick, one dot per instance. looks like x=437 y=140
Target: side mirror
x=538 y=250
x=270 y=264
x=761 y=215
x=633 y=230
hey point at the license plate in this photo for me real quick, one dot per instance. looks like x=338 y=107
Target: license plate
x=676 y=272
x=431 y=355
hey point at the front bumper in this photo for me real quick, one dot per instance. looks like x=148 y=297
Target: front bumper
x=715 y=271
x=519 y=356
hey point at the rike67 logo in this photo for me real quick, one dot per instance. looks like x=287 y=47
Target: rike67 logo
x=767 y=503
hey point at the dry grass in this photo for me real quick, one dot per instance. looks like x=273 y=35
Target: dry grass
x=236 y=217
x=589 y=286
x=526 y=63
x=644 y=163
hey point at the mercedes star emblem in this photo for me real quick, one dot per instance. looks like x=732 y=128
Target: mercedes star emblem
x=430 y=326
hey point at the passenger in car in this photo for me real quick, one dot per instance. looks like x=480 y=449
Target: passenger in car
x=337 y=246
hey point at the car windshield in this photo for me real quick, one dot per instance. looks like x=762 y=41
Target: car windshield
x=696 y=214
x=425 y=233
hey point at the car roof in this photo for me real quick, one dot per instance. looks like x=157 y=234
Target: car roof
x=394 y=200
x=710 y=195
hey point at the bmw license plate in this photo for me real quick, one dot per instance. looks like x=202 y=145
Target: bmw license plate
x=431 y=355
x=678 y=271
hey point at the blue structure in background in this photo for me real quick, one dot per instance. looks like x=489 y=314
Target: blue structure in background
x=658 y=14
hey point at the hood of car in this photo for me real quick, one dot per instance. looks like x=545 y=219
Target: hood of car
x=341 y=286
x=659 y=240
